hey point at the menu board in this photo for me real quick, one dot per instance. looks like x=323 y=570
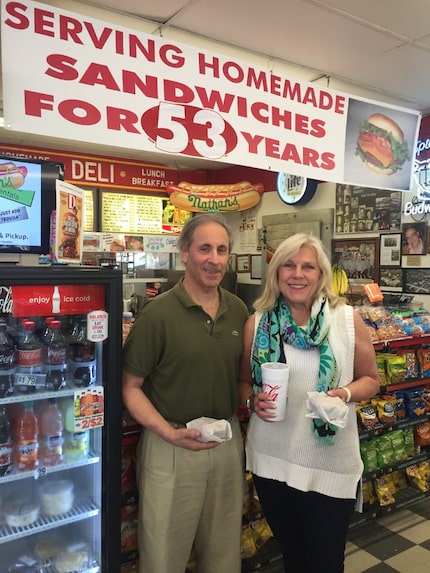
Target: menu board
x=89 y=210
x=131 y=213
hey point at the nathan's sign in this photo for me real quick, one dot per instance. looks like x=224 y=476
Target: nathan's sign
x=198 y=198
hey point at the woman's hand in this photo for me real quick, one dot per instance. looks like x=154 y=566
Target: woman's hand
x=264 y=406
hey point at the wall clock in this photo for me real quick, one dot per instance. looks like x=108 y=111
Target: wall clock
x=295 y=190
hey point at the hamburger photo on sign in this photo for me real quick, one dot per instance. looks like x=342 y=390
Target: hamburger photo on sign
x=381 y=144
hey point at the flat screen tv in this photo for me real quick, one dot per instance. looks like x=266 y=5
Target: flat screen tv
x=27 y=199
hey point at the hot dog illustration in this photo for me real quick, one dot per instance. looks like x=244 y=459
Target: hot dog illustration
x=224 y=197
x=11 y=175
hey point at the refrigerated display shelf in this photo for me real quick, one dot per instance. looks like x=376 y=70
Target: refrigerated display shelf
x=68 y=391
x=50 y=568
x=40 y=472
x=81 y=510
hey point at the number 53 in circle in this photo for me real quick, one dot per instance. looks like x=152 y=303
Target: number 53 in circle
x=189 y=130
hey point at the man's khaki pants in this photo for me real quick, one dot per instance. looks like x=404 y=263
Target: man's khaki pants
x=190 y=498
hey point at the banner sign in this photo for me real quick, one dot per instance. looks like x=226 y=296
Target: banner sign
x=101 y=171
x=99 y=82
x=44 y=300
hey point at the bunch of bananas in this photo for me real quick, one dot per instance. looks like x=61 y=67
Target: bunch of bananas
x=339 y=280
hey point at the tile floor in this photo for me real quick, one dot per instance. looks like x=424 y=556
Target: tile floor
x=396 y=543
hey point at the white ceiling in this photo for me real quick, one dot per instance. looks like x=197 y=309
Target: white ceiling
x=377 y=45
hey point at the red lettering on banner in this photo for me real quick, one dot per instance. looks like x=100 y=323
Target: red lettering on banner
x=290 y=152
x=79 y=31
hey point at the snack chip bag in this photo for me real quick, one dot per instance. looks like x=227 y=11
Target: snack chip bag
x=385 y=489
x=414 y=402
x=368 y=455
x=367 y=417
x=423 y=355
x=385 y=407
x=384 y=451
x=398 y=444
x=395 y=366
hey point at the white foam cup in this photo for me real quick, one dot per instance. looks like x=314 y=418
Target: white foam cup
x=275 y=383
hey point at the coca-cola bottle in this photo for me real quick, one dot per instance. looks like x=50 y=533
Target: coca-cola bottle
x=55 y=359
x=7 y=361
x=83 y=362
x=28 y=374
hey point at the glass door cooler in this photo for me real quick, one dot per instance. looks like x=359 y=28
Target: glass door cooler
x=60 y=419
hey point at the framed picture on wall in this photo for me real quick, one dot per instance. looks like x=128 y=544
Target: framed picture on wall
x=414 y=238
x=359 y=257
x=232 y=262
x=390 y=247
x=416 y=281
x=243 y=263
x=256 y=270
x=391 y=279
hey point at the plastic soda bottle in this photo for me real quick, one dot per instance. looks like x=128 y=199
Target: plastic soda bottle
x=76 y=444
x=26 y=434
x=51 y=434
x=29 y=360
x=7 y=361
x=55 y=359
x=83 y=360
x=5 y=443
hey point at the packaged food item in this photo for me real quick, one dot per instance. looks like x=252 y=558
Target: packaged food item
x=72 y=561
x=409 y=443
x=423 y=355
x=384 y=451
x=48 y=545
x=422 y=434
x=368 y=455
x=385 y=408
x=419 y=475
x=399 y=405
x=395 y=366
x=411 y=363
x=56 y=496
x=385 y=489
x=396 y=437
x=369 y=495
x=367 y=417
x=399 y=479
x=20 y=511
x=414 y=402
x=380 y=364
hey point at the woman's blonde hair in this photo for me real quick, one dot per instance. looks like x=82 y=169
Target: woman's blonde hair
x=287 y=249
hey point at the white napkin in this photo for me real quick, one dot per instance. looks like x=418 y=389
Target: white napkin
x=328 y=408
x=212 y=430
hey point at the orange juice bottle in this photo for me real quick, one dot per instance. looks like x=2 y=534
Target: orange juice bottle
x=26 y=433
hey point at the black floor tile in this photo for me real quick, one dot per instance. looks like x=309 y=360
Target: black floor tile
x=426 y=545
x=380 y=568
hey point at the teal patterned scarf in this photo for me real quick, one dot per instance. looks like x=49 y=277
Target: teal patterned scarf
x=276 y=327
